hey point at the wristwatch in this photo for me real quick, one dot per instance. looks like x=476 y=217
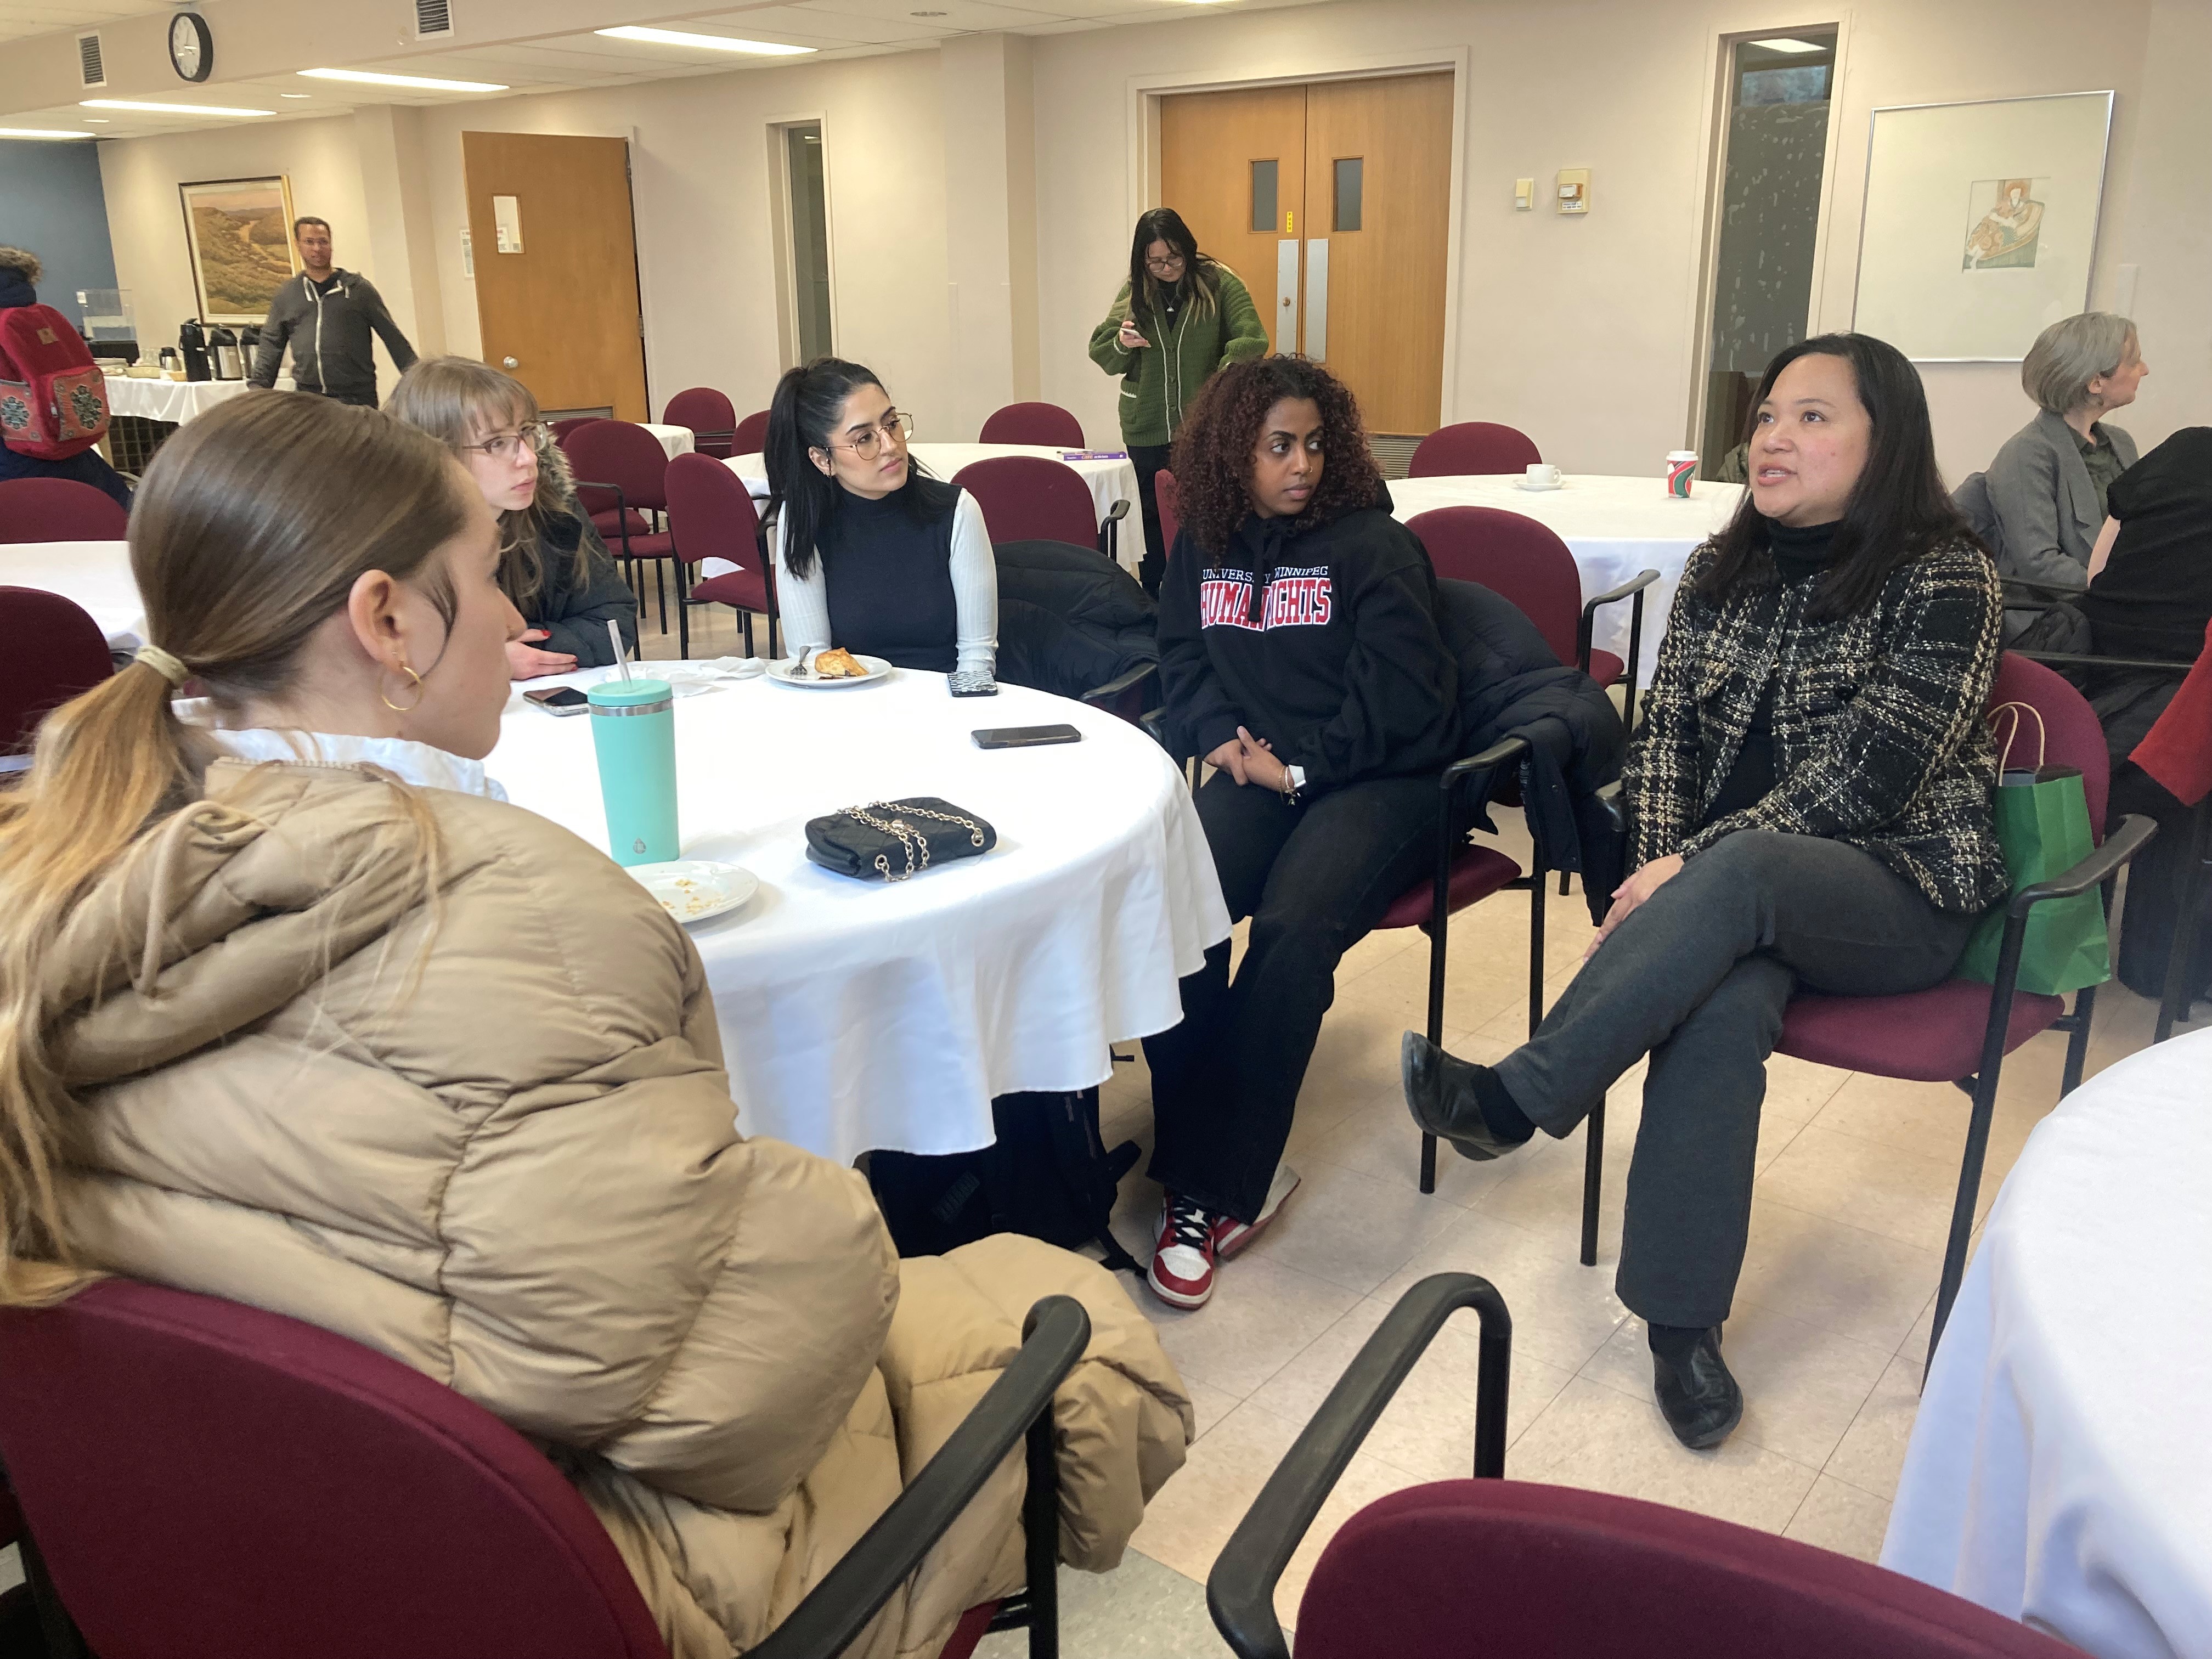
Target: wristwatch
x=1294 y=784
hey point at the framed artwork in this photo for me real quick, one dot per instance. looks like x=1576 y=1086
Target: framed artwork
x=239 y=232
x=1980 y=223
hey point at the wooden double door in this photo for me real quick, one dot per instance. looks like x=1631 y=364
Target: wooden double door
x=1332 y=200
x=555 y=256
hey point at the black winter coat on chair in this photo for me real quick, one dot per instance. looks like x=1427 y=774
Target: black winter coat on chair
x=1070 y=619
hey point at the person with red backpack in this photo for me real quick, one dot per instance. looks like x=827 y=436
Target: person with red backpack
x=53 y=402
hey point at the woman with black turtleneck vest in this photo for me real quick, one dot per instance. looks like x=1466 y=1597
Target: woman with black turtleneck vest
x=1810 y=806
x=870 y=555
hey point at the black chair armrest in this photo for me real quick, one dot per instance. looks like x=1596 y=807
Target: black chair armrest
x=1116 y=512
x=1497 y=755
x=1635 y=584
x=2123 y=844
x=2074 y=660
x=622 y=507
x=839 y=1607
x=1240 y=1591
x=2040 y=588
x=1101 y=696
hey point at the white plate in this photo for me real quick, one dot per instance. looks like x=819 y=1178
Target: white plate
x=877 y=667
x=1523 y=483
x=692 y=890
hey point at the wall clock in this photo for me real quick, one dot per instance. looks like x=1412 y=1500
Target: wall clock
x=192 y=48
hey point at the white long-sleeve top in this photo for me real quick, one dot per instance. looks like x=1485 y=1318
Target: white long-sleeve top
x=804 y=602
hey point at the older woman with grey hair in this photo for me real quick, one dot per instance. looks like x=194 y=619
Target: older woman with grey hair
x=2041 y=504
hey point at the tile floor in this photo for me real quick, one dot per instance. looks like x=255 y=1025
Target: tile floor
x=1831 y=1324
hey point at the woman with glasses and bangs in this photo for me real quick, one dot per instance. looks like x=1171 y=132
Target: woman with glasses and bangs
x=871 y=554
x=552 y=563
x=1180 y=318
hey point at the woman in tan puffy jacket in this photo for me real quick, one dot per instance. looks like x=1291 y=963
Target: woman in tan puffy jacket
x=296 y=1010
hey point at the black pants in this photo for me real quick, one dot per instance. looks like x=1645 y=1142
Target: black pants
x=1150 y=459
x=1314 y=878
x=1697 y=977
x=358 y=397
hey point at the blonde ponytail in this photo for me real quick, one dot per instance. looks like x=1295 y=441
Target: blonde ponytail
x=251 y=528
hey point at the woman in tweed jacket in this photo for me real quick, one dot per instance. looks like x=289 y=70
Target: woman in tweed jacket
x=1810 y=801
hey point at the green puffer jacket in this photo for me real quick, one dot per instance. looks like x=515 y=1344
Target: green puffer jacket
x=1159 y=382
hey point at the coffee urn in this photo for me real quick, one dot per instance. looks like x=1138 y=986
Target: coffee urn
x=223 y=346
x=191 y=341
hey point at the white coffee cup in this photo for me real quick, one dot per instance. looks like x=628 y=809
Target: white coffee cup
x=1542 y=474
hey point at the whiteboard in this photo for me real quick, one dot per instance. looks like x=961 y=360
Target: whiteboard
x=1979 y=223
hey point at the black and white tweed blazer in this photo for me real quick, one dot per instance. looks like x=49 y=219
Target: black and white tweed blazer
x=1877 y=722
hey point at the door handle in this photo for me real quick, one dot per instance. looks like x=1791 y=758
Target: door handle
x=1317 y=299
x=510 y=362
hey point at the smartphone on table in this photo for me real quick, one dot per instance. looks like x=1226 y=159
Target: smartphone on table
x=558 y=699
x=1025 y=737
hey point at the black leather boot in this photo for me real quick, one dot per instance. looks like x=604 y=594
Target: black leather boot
x=1443 y=1095
x=1699 y=1398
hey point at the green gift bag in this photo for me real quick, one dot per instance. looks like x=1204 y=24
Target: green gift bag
x=2043 y=824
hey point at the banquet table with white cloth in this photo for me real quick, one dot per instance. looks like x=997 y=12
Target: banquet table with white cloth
x=1614 y=526
x=676 y=439
x=172 y=401
x=858 y=1015
x=2060 y=1470
x=1111 y=480
x=94 y=575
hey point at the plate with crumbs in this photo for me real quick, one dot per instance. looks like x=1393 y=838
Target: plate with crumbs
x=696 y=890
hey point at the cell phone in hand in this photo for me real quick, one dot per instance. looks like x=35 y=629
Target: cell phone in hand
x=558 y=699
x=971 y=685
x=1025 y=737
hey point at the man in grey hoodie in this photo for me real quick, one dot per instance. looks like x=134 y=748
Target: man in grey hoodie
x=325 y=314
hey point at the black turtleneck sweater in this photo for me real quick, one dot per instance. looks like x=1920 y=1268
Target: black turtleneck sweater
x=1799 y=555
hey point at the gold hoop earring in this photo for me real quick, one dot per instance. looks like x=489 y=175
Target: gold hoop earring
x=411 y=706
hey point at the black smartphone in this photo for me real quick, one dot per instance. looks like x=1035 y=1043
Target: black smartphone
x=1026 y=736
x=558 y=699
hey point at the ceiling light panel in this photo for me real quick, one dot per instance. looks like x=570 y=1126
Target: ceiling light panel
x=703 y=42
x=419 y=82
x=209 y=110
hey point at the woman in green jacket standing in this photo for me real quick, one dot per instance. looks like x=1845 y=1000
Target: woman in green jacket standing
x=1180 y=317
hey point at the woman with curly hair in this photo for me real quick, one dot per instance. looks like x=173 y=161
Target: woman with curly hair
x=1301 y=654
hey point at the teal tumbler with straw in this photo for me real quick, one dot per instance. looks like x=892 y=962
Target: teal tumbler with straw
x=634 y=733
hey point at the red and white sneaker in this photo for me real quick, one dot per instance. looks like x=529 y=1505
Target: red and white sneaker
x=1230 y=1235
x=1182 y=1273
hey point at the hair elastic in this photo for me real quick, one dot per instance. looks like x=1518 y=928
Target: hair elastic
x=168 y=667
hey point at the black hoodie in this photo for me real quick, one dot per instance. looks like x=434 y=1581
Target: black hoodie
x=1322 y=639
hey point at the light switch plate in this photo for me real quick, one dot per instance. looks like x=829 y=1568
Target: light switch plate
x=1574 y=190
x=1524 y=194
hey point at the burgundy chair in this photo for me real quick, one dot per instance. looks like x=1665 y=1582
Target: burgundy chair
x=1471 y=448
x=201 y=1477
x=608 y=523
x=1167 y=495
x=569 y=423
x=1960 y=1031
x=1525 y=561
x=752 y=435
x=53 y=652
x=1046 y=424
x=711 y=515
x=1513 y=1571
x=1027 y=498
x=59 y=510
x=621 y=473
x=710 y=414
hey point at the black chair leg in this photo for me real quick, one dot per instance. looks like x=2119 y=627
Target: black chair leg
x=1438 y=932
x=660 y=591
x=683 y=613
x=2174 y=1000
x=745 y=622
x=1593 y=1179
x=1041 y=1538
x=2077 y=1040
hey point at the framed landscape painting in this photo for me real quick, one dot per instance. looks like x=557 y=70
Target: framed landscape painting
x=1980 y=223
x=239 y=232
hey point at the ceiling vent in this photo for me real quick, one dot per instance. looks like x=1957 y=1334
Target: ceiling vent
x=433 y=18
x=87 y=58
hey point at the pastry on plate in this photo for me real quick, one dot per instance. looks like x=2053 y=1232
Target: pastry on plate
x=838 y=664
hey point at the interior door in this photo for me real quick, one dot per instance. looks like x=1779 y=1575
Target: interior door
x=1234 y=165
x=1378 y=182
x=558 y=307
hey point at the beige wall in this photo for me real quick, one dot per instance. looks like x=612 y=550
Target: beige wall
x=146 y=220
x=700 y=190
x=1579 y=331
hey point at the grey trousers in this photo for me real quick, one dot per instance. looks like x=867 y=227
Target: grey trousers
x=1697 y=977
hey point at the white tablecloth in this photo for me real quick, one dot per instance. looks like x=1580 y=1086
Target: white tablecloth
x=2060 y=1471
x=1614 y=527
x=176 y=401
x=1110 y=482
x=95 y=574
x=676 y=439
x=856 y=1015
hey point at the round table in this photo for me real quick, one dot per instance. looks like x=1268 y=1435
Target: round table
x=676 y=439
x=2060 y=1471
x=1614 y=526
x=856 y=1015
x=172 y=401
x=1109 y=480
x=95 y=575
